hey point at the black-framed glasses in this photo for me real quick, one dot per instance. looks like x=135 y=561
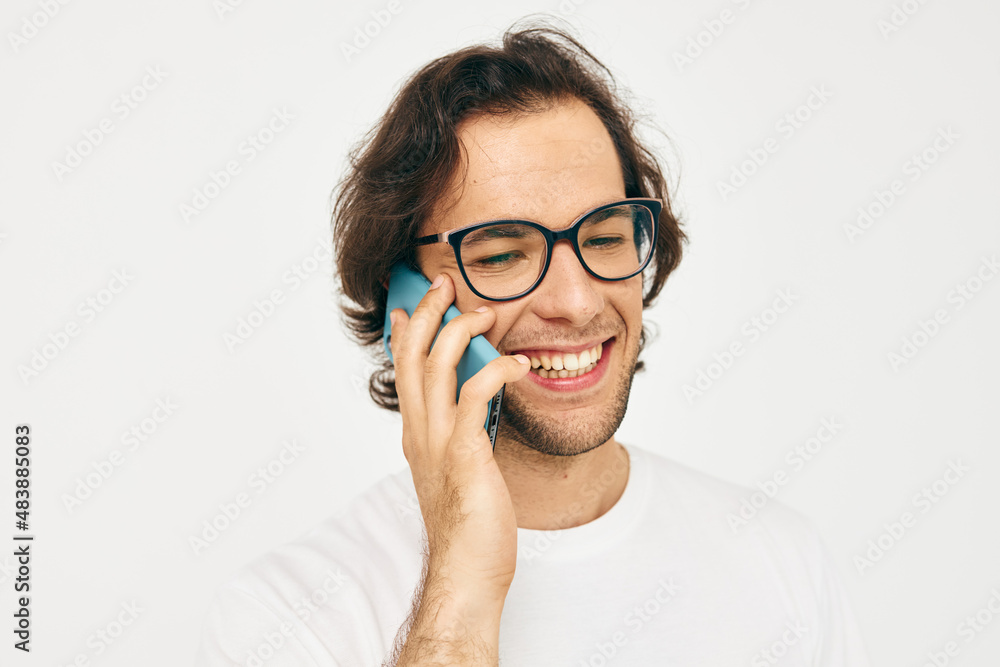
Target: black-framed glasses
x=502 y=260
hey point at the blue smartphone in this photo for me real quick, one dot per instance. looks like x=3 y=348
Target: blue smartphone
x=406 y=288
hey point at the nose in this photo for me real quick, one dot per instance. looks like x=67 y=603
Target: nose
x=567 y=291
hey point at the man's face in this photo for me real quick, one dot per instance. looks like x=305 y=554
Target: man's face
x=548 y=167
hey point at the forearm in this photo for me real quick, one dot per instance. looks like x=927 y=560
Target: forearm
x=451 y=624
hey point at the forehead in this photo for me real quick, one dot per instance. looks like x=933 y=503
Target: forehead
x=549 y=166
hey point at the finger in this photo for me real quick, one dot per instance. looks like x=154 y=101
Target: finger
x=409 y=389
x=417 y=331
x=470 y=414
x=410 y=346
x=440 y=369
x=400 y=324
x=425 y=321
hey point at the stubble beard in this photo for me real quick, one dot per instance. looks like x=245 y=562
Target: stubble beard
x=522 y=423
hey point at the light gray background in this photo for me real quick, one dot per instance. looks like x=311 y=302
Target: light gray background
x=297 y=377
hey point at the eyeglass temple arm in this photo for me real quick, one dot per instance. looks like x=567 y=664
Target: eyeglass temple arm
x=433 y=238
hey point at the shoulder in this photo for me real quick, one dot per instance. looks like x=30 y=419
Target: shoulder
x=740 y=516
x=356 y=567
x=756 y=544
x=697 y=489
x=765 y=559
x=382 y=518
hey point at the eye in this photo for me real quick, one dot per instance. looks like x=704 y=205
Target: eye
x=497 y=260
x=604 y=242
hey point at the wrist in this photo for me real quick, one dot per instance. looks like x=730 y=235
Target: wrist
x=472 y=598
x=472 y=589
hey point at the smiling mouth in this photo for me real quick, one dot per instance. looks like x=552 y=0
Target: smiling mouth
x=566 y=364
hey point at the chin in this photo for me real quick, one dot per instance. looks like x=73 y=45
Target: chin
x=566 y=433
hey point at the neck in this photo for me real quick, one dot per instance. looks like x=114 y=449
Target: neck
x=554 y=492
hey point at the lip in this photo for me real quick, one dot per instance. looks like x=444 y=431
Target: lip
x=583 y=381
x=575 y=349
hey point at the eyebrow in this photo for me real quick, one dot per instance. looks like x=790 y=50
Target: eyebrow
x=502 y=231
x=517 y=219
x=605 y=214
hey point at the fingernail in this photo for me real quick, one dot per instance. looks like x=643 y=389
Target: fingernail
x=437 y=282
x=482 y=309
x=523 y=359
x=392 y=318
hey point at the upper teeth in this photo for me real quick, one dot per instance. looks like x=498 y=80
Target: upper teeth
x=567 y=360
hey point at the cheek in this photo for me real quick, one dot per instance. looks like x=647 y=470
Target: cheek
x=426 y=262
x=629 y=304
x=466 y=302
x=505 y=318
x=434 y=260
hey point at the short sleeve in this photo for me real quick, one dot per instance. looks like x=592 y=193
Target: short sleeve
x=839 y=642
x=241 y=630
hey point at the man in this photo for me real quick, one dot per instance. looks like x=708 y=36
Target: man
x=562 y=546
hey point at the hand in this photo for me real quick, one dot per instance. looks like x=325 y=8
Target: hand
x=467 y=510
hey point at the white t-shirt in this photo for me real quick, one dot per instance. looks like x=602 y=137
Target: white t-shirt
x=662 y=578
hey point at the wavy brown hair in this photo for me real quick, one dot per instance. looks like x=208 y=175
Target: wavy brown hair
x=403 y=166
